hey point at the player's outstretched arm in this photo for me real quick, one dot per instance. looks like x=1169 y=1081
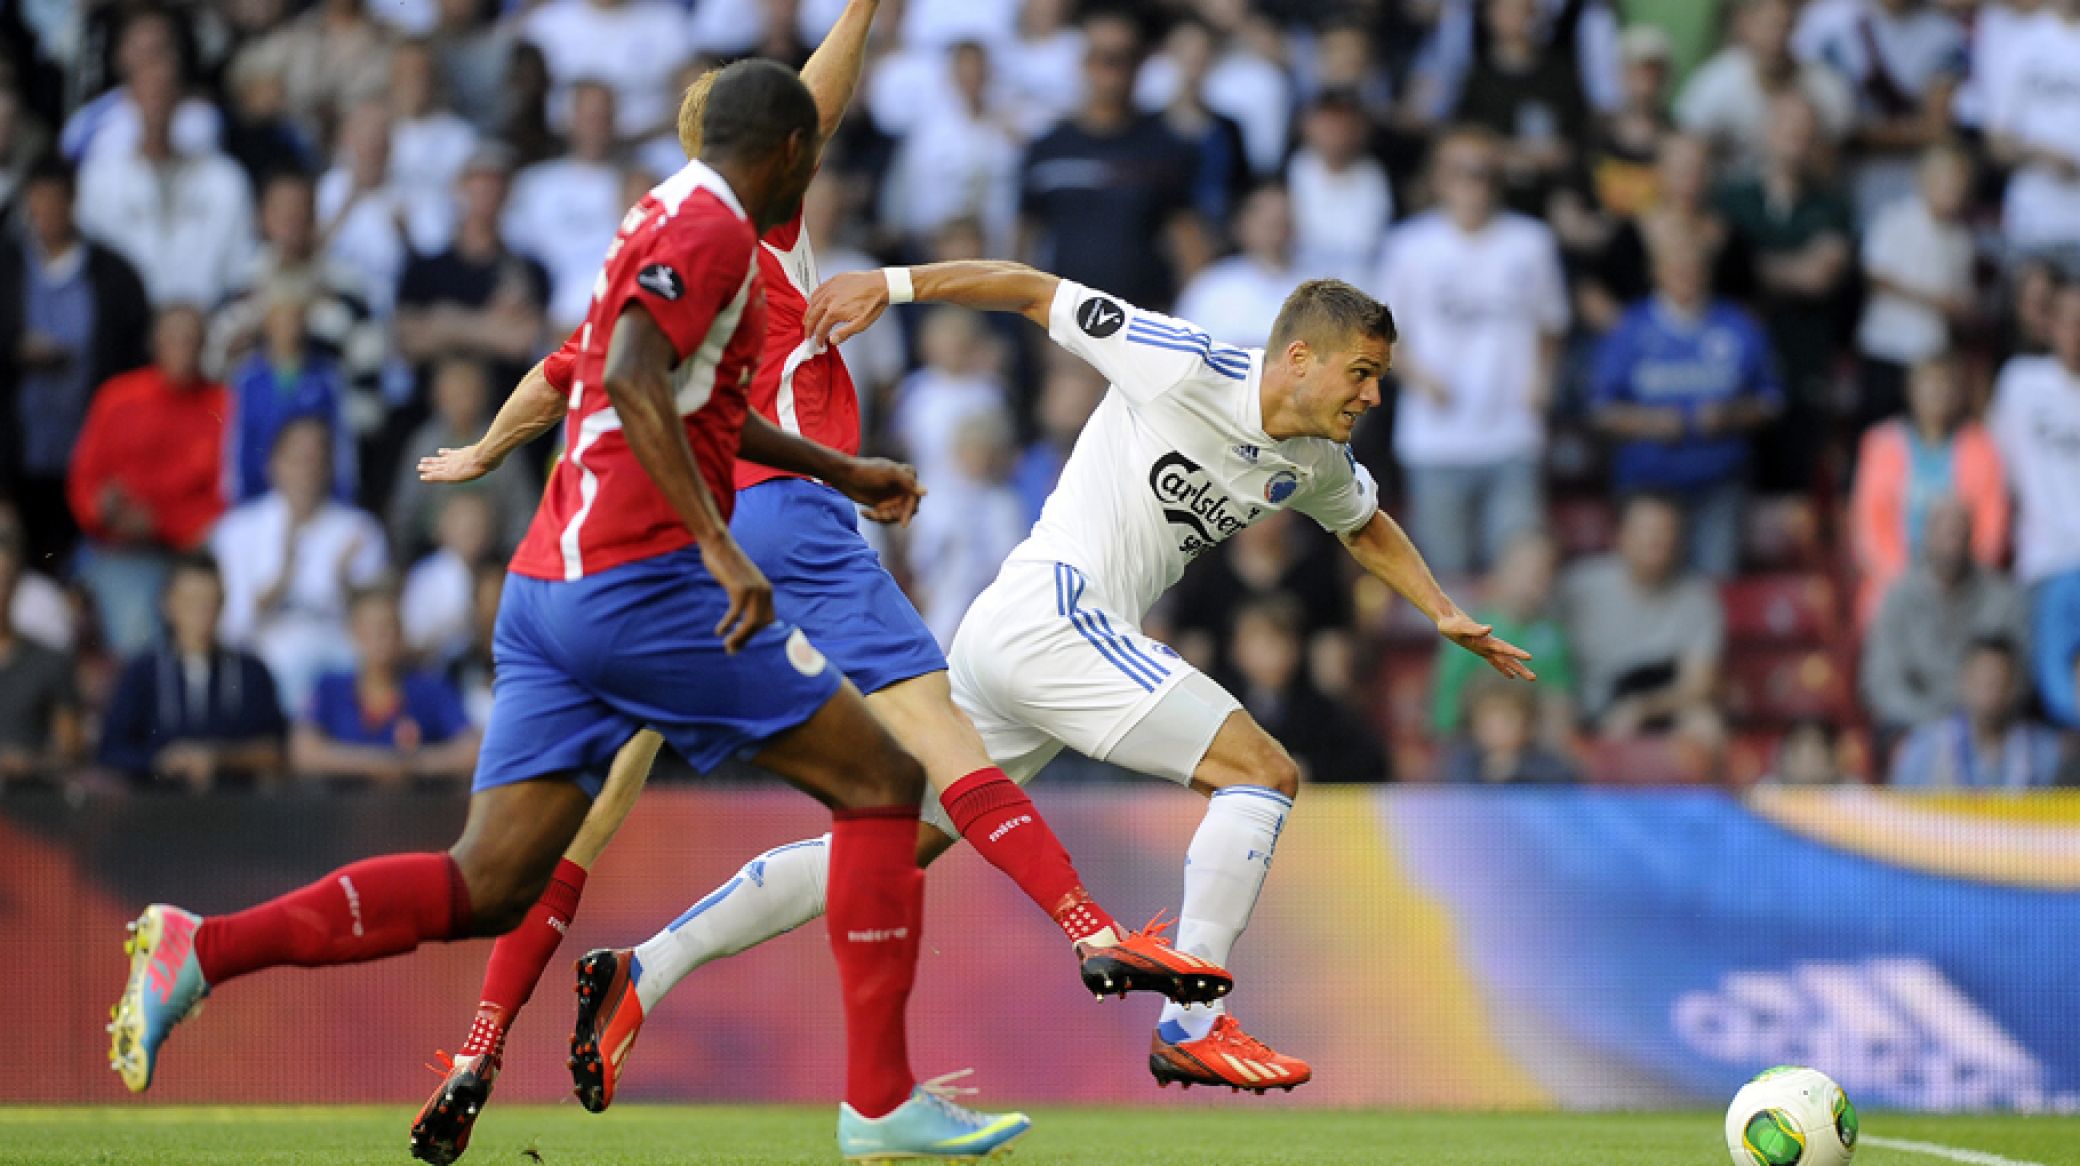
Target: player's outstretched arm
x=638 y=382
x=887 y=491
x=534 y=408
x=847 y=304
x=1384 y=550
x=832 y=71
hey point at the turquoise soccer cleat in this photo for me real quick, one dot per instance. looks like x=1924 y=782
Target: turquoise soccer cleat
x=165 y=988
x=929 y=1127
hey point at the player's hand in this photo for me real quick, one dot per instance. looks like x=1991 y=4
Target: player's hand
x=886 y=491
x=844 y=306
x=1479 y=638
x=456 y=465
x=750 y=596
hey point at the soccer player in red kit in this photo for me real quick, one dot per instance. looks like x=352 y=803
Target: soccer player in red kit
x=802 y=535
x=628 y=605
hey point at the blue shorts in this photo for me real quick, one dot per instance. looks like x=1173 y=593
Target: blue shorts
x=580 y=666
x=830 y=583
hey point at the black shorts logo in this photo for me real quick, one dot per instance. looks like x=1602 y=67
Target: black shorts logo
x=1100 y=317
x=661 y=281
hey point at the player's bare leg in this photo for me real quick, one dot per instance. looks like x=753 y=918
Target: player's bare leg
x=369 y=910
x=1249 y=781
x=441 y=1131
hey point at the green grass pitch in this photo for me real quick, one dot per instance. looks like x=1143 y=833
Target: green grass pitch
x=636 y=1135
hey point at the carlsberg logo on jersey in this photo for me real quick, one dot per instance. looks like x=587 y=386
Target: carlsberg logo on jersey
x=1190 y=500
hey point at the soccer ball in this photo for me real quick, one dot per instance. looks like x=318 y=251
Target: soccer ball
x=1790 y=1116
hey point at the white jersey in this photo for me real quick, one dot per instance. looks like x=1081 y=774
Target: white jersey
x=1175 y=459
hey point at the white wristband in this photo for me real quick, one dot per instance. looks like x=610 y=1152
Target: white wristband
x=899 y=289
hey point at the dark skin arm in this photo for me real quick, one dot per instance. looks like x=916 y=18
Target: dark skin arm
x=887 y=491
x=640 y=358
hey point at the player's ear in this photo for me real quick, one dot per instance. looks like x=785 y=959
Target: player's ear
x=1299 y=357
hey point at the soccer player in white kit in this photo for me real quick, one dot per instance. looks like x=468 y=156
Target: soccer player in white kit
x=1194 y=441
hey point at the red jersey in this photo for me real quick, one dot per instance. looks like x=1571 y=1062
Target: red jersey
x=799 y=388
x=687 y=254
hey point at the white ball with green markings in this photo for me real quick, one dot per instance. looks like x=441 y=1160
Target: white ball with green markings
x=1791 y=1116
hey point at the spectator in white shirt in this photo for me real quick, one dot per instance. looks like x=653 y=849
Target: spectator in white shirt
x=960 y=379
x=110 y=122
x=1918 y=260
x=1905 y=59
x=1243 y=83
x=291 y=558
x=1728 y=99
x=938 y=24
x=960 y=161
x=438 y=595
x=1041 y=69
x=1342 y=201
x=2035 y=419
x=956 y=553
x=366 y=215
x=2000 y=30
x=184 y=219
x=1482 y=307
x=1235 y=299
x=564 y=211
x=428 y=145
x=635 y=46
x=2035 y=123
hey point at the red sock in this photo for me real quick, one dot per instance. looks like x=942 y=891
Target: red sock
x=1002 y=824
x=520 y=955
x=876 y=917
x=374 y=908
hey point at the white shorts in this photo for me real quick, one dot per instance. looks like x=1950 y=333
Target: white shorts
x=1039 y=663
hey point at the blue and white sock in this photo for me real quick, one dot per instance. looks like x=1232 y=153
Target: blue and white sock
x=771 y=895
x=1224 y=871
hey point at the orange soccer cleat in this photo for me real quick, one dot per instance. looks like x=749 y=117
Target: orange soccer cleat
x=609 y=1016
x=1145 y=962
x=1225 y=1056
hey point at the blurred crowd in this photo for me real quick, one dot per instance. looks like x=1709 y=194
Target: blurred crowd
x=1739 y=376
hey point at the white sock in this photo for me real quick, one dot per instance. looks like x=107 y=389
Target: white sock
x=771 y=895
x=1224 y=870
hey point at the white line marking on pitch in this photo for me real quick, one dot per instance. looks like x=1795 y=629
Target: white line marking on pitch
x=1973 y=1157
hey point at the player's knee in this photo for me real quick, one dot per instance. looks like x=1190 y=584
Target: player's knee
x=894 y=779
x=1278 y=771
x=499 y=897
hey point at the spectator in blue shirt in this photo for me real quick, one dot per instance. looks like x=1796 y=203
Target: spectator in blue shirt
x=1680 y=385
x=384 y=722
x=285 y=379
x=190 y=710
x=1986 y=743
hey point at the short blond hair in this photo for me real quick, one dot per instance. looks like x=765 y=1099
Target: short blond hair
x=691 y=107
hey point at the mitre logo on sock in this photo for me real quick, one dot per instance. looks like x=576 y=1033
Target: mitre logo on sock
x=353 y=902
x=878 y=935
x=1008 y=827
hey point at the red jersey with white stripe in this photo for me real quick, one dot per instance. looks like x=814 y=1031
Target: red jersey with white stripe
x=800 y=388
x=688 y=254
